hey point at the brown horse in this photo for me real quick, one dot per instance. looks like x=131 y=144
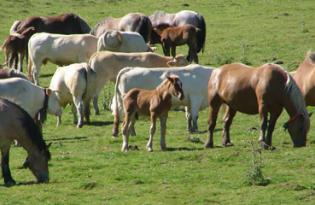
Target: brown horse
x=16 y=124
x=172 y=36
x=304 y=77
x=136 y=22
x=154 y=103
x=15 y=48
x=265 y=90
x=181 y=18
x=6 y=72
x=67 y=23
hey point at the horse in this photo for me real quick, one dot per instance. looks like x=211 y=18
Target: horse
x=16 y=124
x=181 y=18
x=304 y=77
x=136 y=22
x=173 y=36
x=15 y=48
x=265 y=90
x=67 y=23
x=154 y=103
x=10 y=73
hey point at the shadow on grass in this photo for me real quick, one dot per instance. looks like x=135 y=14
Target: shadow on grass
x=46 y=75
x=172 y=149
x=28 y=183
x=69 y=138
x=100 y=123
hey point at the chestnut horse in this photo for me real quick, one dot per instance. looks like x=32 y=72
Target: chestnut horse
x=265 y=90
x=181 y=18
x=154 y=103
x=16 y=124
x=136 y=22
x=67 y=23
x=304 y=77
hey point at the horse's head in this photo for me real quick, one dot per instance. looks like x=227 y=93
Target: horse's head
x=38 y=164
x=176 y=87
x=54 y=107
x=298 y=127
x=110 y=40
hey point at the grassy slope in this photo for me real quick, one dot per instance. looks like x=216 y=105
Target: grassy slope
x=87 y=166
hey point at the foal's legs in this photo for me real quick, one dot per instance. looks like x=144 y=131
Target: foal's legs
x=173 y=51
x=228 y=118
x=263 y=127
x=125 y=132
x=77 y=101
x=152 y=131
x=95 y=105
x=163 y=120
x=8 y=180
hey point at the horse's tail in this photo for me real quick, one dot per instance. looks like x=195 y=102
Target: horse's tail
x=118 y=100
x=201 y=34
x=14 y=27
x=145 y=28
x=85 y=28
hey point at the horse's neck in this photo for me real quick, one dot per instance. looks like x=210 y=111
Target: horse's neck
x=163 y=91
x=28 y=145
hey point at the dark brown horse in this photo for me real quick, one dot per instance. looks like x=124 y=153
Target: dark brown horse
x=265 y=90
x=181 y=18
x=67 y=23
x=136 y=22
x=16 y=124
x=172 y=36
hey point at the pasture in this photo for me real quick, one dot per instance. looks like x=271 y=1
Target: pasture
x=87 y=165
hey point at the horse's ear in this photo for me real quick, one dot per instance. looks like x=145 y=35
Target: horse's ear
x=48 y=91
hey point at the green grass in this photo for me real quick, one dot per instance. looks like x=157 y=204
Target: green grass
x=87 y=166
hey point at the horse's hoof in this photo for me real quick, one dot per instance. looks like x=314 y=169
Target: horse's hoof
x=228 y=144
x=209 y=145
x=124 y=149
x=97 y=112
x=79 y=125
x=266 y=146
x=149 y=149
x=9 y=183
x=115 y=133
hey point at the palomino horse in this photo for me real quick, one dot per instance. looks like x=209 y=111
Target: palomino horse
x=16 y=124
x=179 y=19
x=265 y=90
x=304 y=77
x=67 y=23
x=136 y=22
x=154 y=103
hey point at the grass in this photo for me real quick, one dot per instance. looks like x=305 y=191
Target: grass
x=87 y=165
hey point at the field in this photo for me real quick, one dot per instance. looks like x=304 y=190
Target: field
x=87 y=166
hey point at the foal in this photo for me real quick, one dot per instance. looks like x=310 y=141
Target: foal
x=155 y=103
x=173 y=36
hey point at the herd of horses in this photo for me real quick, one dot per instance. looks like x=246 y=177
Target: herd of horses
x=265 y=90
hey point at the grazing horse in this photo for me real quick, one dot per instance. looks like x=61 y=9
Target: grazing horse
x=173 y=36
x=265 y=90
x=136 y=22
x=16 y=124
x=15 y=48
x=67 y=23
x=304 y=77
x=181 y=18
x=154 y=103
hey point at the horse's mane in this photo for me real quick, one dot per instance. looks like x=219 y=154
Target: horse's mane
x=295 y=95
x=311 y=56
x=33 y=132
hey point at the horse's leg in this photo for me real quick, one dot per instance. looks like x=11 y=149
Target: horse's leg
x=132 y=129
x=272 y=122
x=74 y=112
x=86 y=110
x=263 y=127
x=35 y=72
x=173 y=51
x=163 y=120
x=95 y=105
x=6 y=173
x=166 y=49
x=188 y=118
x=195 y=106
x=21 y=58
x=214 y=106
x=125 y=132
x=228 y=118
x=152 y=131
x=16 y=60
x=79 y=109
x=58 y=121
